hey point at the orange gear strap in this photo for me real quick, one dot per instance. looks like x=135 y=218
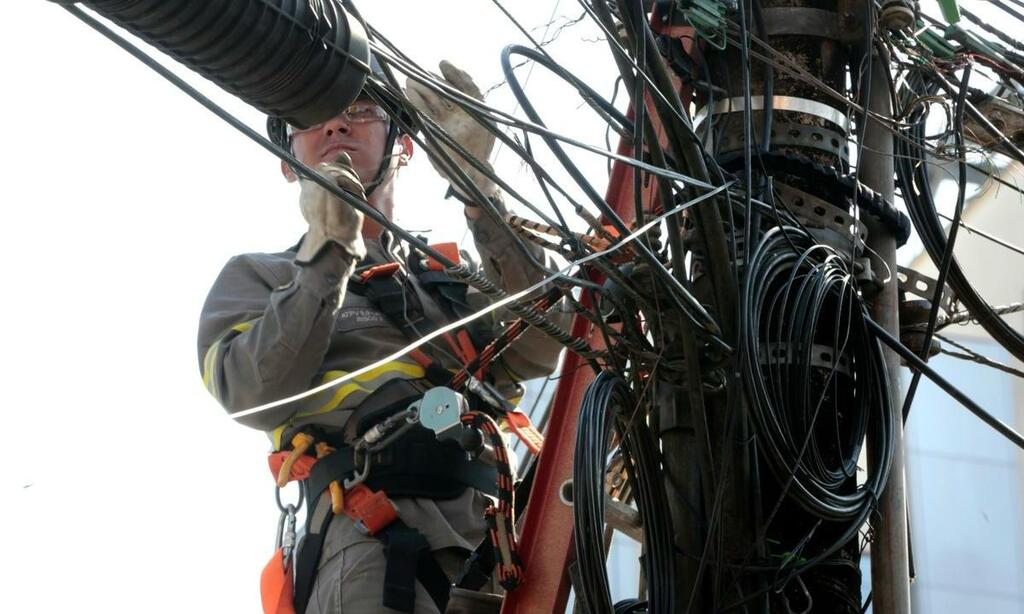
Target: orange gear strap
x=448 y=250
x=523 y=428
x=276 y=590
x=371 y=510
x=386 y=270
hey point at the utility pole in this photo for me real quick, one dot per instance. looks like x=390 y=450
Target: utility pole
x=890 y=568
x=792 y=121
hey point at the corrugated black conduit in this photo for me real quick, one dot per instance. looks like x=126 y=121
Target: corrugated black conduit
x=260 y=50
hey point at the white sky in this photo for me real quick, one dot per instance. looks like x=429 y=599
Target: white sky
x=128 y=488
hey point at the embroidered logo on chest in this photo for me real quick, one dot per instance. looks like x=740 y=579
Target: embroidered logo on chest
x=351 y=317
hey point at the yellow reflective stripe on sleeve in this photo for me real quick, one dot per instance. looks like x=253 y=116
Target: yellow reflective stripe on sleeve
x=393 y=369
x=387 y=371
x=275 y=435
x=210 y=359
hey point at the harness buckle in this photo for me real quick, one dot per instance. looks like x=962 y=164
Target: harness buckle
x=359 y=476
x=371 y=510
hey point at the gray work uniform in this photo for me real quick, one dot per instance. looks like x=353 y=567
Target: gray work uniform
x=271 y=329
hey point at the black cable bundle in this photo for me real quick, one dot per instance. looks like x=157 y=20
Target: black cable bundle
x=608 y=402
x=915 y=186
x=815 y=375
x=605 y=396
x=643 y=465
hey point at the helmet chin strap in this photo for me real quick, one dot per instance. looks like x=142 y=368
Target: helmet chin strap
x=385 y=162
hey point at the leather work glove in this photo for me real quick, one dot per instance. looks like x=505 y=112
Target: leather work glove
x=464 y=130
x=330 y=218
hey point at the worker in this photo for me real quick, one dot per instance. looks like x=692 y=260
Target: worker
x=347 y=295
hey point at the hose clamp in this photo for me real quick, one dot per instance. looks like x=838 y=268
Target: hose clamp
x=779 y=103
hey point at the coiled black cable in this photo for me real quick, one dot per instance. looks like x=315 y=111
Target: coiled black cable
x=643 y=464
x=605 y=397
x=814 y=375
x=608 y=402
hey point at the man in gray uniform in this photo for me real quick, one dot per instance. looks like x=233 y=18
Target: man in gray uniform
x=277 y=324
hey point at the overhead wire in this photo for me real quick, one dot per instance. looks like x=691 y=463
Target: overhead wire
x=973 y=356
x=686 y=301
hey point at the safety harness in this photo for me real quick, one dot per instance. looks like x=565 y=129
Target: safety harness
x=415 y=465
x=393 y=457
x=383 y=284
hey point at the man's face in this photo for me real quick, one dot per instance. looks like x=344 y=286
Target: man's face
x=361 y=132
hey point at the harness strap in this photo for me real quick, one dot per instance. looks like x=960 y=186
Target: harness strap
x=409 y=559
x=524 y=429
x=341 y=463
x=380 y=284
x=436 y=374
x=307 y=557
x=465 y=349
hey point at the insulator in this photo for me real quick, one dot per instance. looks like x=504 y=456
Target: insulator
x=898 y=14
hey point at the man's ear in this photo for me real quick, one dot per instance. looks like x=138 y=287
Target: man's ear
x=288 y=173
x=407 y=149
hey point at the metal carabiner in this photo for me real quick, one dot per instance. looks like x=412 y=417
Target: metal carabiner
x=286 y=532
x=286 y=537
x=364 y=472
x=297 y=506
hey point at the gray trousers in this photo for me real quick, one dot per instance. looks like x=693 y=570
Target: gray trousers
x=350 y=579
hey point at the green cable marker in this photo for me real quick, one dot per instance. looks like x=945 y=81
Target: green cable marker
x=950 y=10
x=708 y=20
x=936 y=44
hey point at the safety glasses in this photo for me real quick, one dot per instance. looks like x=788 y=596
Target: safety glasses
x=357 y=113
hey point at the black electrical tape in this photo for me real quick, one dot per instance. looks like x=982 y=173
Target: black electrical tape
x=837 y=186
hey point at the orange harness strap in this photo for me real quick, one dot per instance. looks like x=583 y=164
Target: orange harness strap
x=520 y=424
x=276 y=583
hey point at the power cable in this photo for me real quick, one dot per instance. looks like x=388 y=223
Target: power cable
x=947 y=255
